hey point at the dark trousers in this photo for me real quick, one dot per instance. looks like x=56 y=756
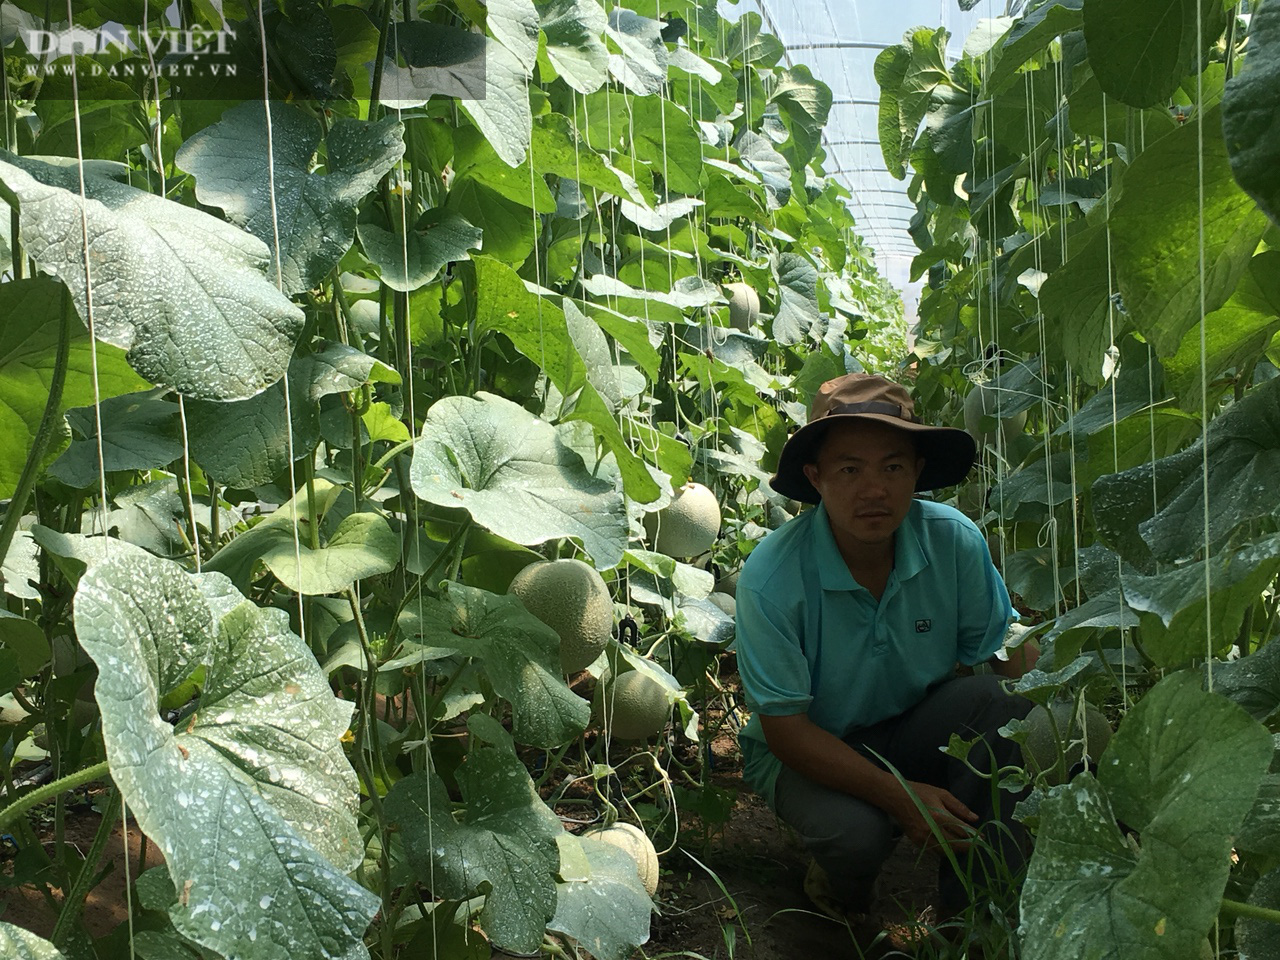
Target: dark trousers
x=851 y=839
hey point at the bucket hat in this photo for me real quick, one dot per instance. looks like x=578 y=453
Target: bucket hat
x=948 y=453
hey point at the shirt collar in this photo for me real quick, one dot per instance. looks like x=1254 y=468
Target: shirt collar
x=909 y=557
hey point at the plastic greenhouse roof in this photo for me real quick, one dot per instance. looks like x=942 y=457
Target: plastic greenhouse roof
x=839 y=41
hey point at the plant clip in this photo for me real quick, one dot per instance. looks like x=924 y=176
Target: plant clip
x=629 y=630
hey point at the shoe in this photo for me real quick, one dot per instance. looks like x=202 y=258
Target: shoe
x=817 y=887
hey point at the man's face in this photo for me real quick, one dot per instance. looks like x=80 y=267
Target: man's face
x=866 y=473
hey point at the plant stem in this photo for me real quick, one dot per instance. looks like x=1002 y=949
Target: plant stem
x=48 y=422
x=1234 y=908
x=73 y=902
x=49 y=790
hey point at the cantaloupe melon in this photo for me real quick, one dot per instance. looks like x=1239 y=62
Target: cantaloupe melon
x=1055 y=753
x=984 y=400
x=572 y=599
x=632 y=707
x=632 y=840
x=744 y=305
x=686 y=527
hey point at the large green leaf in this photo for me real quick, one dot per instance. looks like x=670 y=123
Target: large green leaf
x=1243 y=461
x=252 y=802
x=1258 y=938
x=140 y=431
x=641 y=64
x=797 y=299
x=1182 y=772
x=410 y=261
x=244 y=443
x=521 y=658
x=1076 y=300
x=540 y=330
x=515 y=24
x=503 y=114
x=182 y=291
x=907 y=74
x=19 y=944
x=1032 y=33
x=661 y=134
x=1251 y=112
x=805 y=103
x=503 y=842
x=28 y=346
x=1155 y=240
x=575 y=46
x=759 y=156
x=512 y=473
x=1253 y=681
x=1235 y=335
x=314 y=216
x=1141 y=49
x=602 y=904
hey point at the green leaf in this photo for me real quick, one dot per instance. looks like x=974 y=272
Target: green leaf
x=503 y=843
x=1173 y=602
x=253 y=803
x=515 y=477
x=604 y=907
x=536 y=326
x=1032 y=33
x=759 y=156
x=1257 y=937
x=907 y=74
x=1155 y=246
x=29 y=311
x=797 y=299
x=185 y=292
x=25 y=640
x=521 y=658
x=407 y=263
x=661 y=134
x=515 y=24
x=508 y=227
x=21 y=944
x=1235 y=335
x=1141 y=49
x=1249 y=112
x=315 y=215
x=140 y=431
x=805 y=103
x=558 y=149
x=1243 y=460
x=1182 y=771
x=641 y=66
x=1253 y=682
x=244 y=443
x=21 y=567
x=503 y=114
x=575 y=46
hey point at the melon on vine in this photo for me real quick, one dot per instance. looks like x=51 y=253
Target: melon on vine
x=631 y=706
x=572 y=599
x=632 y=841
x=1055 y=741
x=744 y=305
x=686 y=527
x=983 y=401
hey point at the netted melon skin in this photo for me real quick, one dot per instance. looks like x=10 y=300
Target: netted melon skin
x=632 y=840
x=572 y=599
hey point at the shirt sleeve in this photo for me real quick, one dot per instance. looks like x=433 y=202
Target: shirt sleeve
x=985 y=610
x=771 y=661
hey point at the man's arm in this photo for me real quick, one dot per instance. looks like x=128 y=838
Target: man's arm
x=826 y=759
x=1021 y=660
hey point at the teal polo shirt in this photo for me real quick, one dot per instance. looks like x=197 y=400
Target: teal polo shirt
x=811 y=639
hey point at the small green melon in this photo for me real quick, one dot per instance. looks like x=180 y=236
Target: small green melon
x=984 y=400
x=686 y=527
x=632 y=840
x=1054 y=754
x=632 y=707
x=572 y=599
x=744 y=305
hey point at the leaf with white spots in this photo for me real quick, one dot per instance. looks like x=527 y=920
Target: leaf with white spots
x=19 y=944
x=183 y=292
x=251 y=800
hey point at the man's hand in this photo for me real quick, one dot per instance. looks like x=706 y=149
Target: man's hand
x=954 y=820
